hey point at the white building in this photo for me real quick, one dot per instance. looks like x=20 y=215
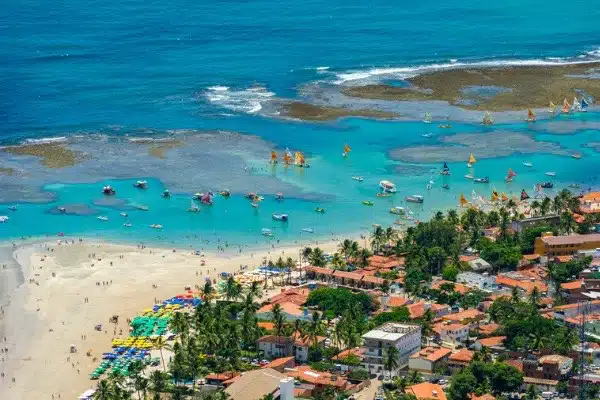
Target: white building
x=454 y=333
x=483 y=281
x=406 y=338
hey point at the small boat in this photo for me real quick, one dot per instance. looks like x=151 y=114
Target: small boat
x=127 y=224
x=576 y=105
x=308 y=230
x=273 y=159
x=250 y=196
x=387 y=186
x=524 y=195
x=3 y=218
x=108 y=190
x=446 y=186
x=510 y=175
x=415 y=198
x=471 y=161
x=576 y=156
x=383 y=195
x=552 y=108
x=584 y=104
x=463 y=200
x=487 y=119
x=287 y=157
x=141 y=185
x=62 y=209
x=482 y=180
x=299 y=160
x=320 y=210
x=255 y=205
x=427 y=135
x=503 y=197
x=279 y=196
x=193 y=206
x=575 y=185
x=445 y=169
x=346 y=151
x=266 y=232
x=123 y=214
x=166 y=194
x=12 y=208
x=103 y=218
x=527 y=164
x=551 y=173
x=367 y=202
x=444 y=126
x=427 y=118
x=469 y=176
x=566 y=108
x=530 y=115
x=224 y=193
x=280 y=217
x=141 y=207
x=397 y=210
x=358 y=178
x=547 y=185
x=156 y=226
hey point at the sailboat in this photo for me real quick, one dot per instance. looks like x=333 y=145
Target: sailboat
x=347 y=150
x=428 y=118
x=566 y=108
x=487 y=119
x=552 y=108
x=584 y=104
x=576 y=105
x=510 y=175
x=503 y=197
x=445 y=169
x=287 y=157
x=463 y=201
x=273 y=158
x=299 y=159
x=524 y=195
x=494 y=196
x=530 y=115
x=193 y=206
x=472 y=160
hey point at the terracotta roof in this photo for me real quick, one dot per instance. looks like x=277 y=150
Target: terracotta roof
x=347 y=275
x=459 y=288
x=305 y=342
x=571 y=239
x=305 y=373
x=423 y=391
x=452 y=327
x=592 y=196
x=526 y=285
x=372 y=279
x=255 y=384
x=267 y=325
x=397 y=301
x=492 y=341
x=278 y=362
x=553 y=359
x=319 y=270
x=274 y=339
x=288 y=308
x=563 y=259
x=467 y=258
x=485 y=396
x=488 y=329
x=432 y=353
x=515 y=363
x=466 y=315
x=572 y=285
x=462 y=356
x=531 y=257
x=357 y=351
x=416 y=310
x=574 y=305
x=222 y=376
x=296 y=295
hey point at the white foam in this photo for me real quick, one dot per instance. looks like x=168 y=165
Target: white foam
x=58 y=139
x=245 y=100
x=322 y=68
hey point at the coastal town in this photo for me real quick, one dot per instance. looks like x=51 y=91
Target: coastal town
x=470 y=305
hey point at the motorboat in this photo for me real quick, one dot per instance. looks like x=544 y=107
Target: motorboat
x=576 y=156
x=469 y=176
x=527 y=164
x=481 y=180
x=123 y=214
x=103 y=218
x=308 y=230
x=127 y=224
x=387 y=186
x=427 y=135
x=397 y=210
x=358 y=178
x=193 y=207
x=108 y=190
x=427 y=118
x=166 y=194
x=3 y=218
x=320 y=210
x=444 y=126
x=367 y=202
x=279 y=196
x=250 y=196
x=141 y=185
x=415 y=198
x=13 y=208
x=62 y=209
x=266 y=232
x=383 y=195
x=224 y=193
x=280 y=217
x=446 y=186
x=547 y=185
x=551 y=173
x=141 y=207
x=156 y=226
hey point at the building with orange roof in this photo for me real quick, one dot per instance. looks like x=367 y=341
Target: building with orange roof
x=280 y=364
x=427 y=391
x=523 y=283
x=296 y=296
x=255 y=385
x=290 y=311
x=464 y=317
x=219 y=379
x=320 y=379
x=428 y=359
x=297 y=346
x=267 y=325
x=518 y=364
x=495 y=342
x=562 y=313
x=356 y=351
x=590 y=203
x=485 y=396
x=390 y=302
x=488 y=329
x=460 y=359
x=459 y=288
x=565 y=245
x=417 y=310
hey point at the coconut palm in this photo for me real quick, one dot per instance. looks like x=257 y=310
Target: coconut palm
x=535 y=207
x=363 y=258
x=337 y=261
x=313 y=329
x=567 y=222
x=158 y=384
x=345 y=248
x=317 y=258
x=160 y=344
x=233 y=289
x=103 y=391
x=278 y=319
x=378 y=239
x=545 y=206
x=391 y=359
x=180 y=324
x=452 y=216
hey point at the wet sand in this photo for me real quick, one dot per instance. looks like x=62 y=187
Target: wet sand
x=51 y=155
x=310 y=112
x=160 y=150
x=523 y=86
x=457 y=148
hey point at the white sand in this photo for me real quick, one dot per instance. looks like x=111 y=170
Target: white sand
x=46 y=316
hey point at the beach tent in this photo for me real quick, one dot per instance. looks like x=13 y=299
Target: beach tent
x=87 y=395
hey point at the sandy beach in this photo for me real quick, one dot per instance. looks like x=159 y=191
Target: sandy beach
x=71 y=286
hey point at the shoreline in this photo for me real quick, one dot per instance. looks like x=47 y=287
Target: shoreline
x=64 y=300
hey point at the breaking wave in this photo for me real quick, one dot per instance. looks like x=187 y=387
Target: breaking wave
x=245 y=100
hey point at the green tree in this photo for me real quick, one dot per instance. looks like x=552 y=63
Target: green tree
x=103 y=391
x=450 y=272
x=391 y=359
x=461 y=385
x=317 y=258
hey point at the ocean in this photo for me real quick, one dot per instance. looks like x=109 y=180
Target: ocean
x=98 y=73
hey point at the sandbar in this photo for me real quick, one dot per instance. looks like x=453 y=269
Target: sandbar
x=52 y=155
x=311 y=112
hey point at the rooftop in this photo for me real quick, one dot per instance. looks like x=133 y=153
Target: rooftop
x=397 y=301
x=572 y=285
x=391 y=331
x=288 y=308
x=554 y=359
x=465 y=315
x=492 y=341
x=462 y=289
x=462 y=356
x=305 y=373
x=426 y=390
x=571 y=239
x=254 y=385
x=432 y=353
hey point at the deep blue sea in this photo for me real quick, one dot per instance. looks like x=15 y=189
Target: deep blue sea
x=147 y=68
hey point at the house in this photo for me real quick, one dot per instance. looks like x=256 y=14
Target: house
x=453 y=332
x=462 y=358
x=280 y=364
x=485 y=396
x=302 y=345
x=319 y=273
x=406 y=338
x=590 y=203
x=290 y=311
x=390 y=302
x=427 y=391
x=523 y=282
x=494 y=342
x=521 y=225
x=487 y=329
x=483 y=281
x=255 y=385
x=464 y=317
x=478 y=264
x=274 y=346
x=319 y=379
x=219 y=379
x=429 y=359
x=417 y=310
x=565 y=245
x=457 y=287
x=552 y=367
x=561 y=313
x=297 y=296
x=344 y=278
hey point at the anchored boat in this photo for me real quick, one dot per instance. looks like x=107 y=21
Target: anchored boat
x=280 y=217
x=141 y=185
x=387 y=186
x=415 y=198
x=108 y=190
x=530 y=116
x=428 y=118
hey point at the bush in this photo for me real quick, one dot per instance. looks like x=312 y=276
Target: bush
x=358 y=374
x=339 y=300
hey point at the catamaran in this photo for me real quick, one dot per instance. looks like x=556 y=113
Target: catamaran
x=280 y=217
x=482 y=180
x=552 y=108
x=273 y=158
x=472 y=160
x=566 y=108
x=487 y=119
x=141 y=184
x=510 y=175
x=576 y=105
x=108 y=190
x=469 y=176
x=530 y=115
x=584 y=104
x=445 y=169
x=103 y=218
x=346 y=151
x=387 y=186
x=428 y=118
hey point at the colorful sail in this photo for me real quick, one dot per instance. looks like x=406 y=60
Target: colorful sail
x=347 y=149
x=584 y=104
x=472 y=159
x=524 y=195
x=287 y=157
x=463 y=200
x=566 y=108
x=273 y=157
x=552 y=108
x=530 y=115
x=503 y=197
x=494 y=196
x=487 y=119
x=510 y=175
x=428 y=118
x=299 y=159
x=576 y=106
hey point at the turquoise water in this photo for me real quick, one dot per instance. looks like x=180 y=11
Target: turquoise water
x=103 y=70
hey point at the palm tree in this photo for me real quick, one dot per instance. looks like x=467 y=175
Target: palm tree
x=377 y=239
x=179 y=324
x=289 y=264
x=345 y=248
x=306 y=252
x=317 y=258
x=207 y=291
x=160 y=344
x=103 y=391
x=314 y=329
x=363 y=258
x=415 y=378
x=545 y=206
x=567 y=222
x=337 y=261
x=278 y=320
x=141 y=386
x=254 y=289
x=233 y=289
x=535 y=207
x=391 y=359
x=158 y=383
x=452 y=217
